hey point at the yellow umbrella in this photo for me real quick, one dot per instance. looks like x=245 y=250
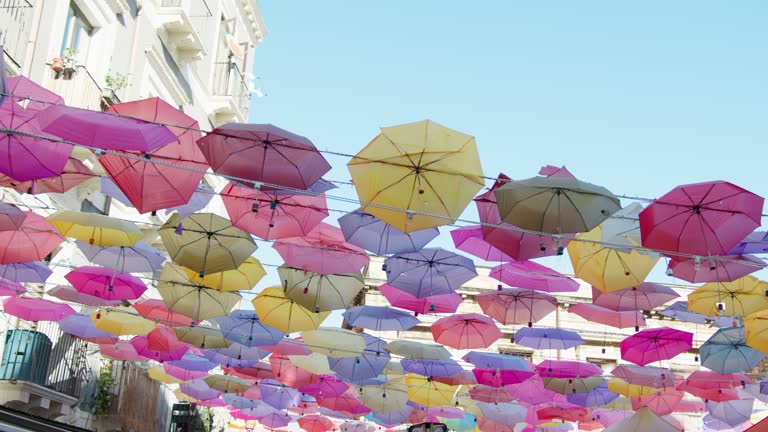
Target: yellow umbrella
x=202 y=337
x=183 y=397
x=95 y=229
x=227 y=383
x=242 y=278
x=158 y=373
x=193 y=300
x=385 y=398
x=315 y=363
x=620 y=403
x=465 y=401
x=568 y=386
x=276 y=310
x=424 y=391
x=741 y=297
x=756 y=326
x=619 y=386
x=420 y=167
x=605 y=268
x=334 y=342
x=122 y=321
x=206 y=243
x=319 y=292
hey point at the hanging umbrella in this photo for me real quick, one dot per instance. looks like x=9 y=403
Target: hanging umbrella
x=202 y=337
x=548 y=338
x=489 y=394
x=243 y=278
x=512 y=306
x=466 y=331
x=727 y=351
x=122 y=321
x=148 y=185
x=756 y=334
x=106 y=283
x=392 y=419
x=600 y=395
x=417 y=350
x=156 y=310
x=646 y=296
x=195 y=301
x=139 y=258
x=679 y=311
x=429 y=272
x=32 y=242
x=206 y=243
x=73 y=174
x=264 y=154
x=277 y=395
x=754 y=243
x=334 y=342
x=555 y=205
x=733 y=412
x=601 y=315
x=606 y=268
x=531 y=275
x=289 y=346
x=655 y=344
x=81 y=325
x=236 y=355
x=326 y=386
x=226 y=383
x=289 y=374
x=315 y=423
x=157 y=373
x=427 y=392
x=11 y=288
x=369 y=364
x=24 y=156
x=623 y=227
x=37 y=98
x=431 y=368
x=724 y=268
x=35 y=309
x=567 y=369
x=199 y=390
x=470 y=240
x=120 y=350
x=569 y=386
x=314 y=363
x=417 y=175
x=244 y=327
x=505 y=413
x=278 y=311
x=441 y=303
x=201 y=197
x=95 y=229
x=662 y=402
x=32 y=271
x=71 y=295
x=323 y=250
x=643 y=420
x=647 y=376
x=275 y=420
x=171 y=349
x=373 y=234
x=380 y=318
x=738 y=298
x=271 y=216
x=97 y=129
x=319 y=292
x=495 y=361
x=11 y=217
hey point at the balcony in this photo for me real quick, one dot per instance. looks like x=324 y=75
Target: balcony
x=80 y=91
x=174 y=17
x=230 y=94
x=15 y=20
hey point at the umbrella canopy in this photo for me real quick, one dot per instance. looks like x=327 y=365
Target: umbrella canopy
x=738 y=298
x=727 y=351
x=159 y=346
x=11 y=217
x=465 y=331
x=95 y=229
x=81 y=325
x=106 y=283
x=417 y=350
x=156 y=310
x=206 y=243
x=278 y=311
x=373 y=234
x=380 y=318
x=531 y=275
x=655 y=344
x=569 y=386
x=97 y=129
x=202 y=195
x=601 y=315
x=555 y=204
x=319 y=292
x=755 y=242
x=11 y=288
x=277 y=395
x=326 y=386
x=120 y=350
x=272 y=216
x=244 y=327
x=243 y=278
x=495 y=361
x=643 y=420
x=470 y=240
x=726 y=268
x=69 y=294
x=73 y=174
x=139 y=258
x=35 y=309
x=389 y=397
x=732 y=413
x=369 y=364
x=567 y=369
x=148 y=185
x=334 y=342
x=431 y=368
x=263 y=153
x=661 y=402
x=512 y=306
x=37 y=97
x=608 y=269
x=429 y=272
x=756 y=326
x=32 y=271
x=441 y=303
x=32 y=242
x=226 y=383
x=195 y=301
x=323 y=250
x=645 y=376
x=429 y=393
x=646 y=296
x=430 y=171
x=548 y=338
x=315 y=423
x=236 y=355
x=122 y=321
x=202 y=337
x=600 y=395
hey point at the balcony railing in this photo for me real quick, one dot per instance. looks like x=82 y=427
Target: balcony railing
x=15 y=19
x=80 y=91
x=228 y=81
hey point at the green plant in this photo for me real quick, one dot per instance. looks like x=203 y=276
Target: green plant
x=116 y=81
x=102 y=400
x=70 y=56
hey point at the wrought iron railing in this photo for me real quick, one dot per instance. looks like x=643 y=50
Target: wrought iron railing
x=79 y=89
x=15 y=20
x=228 y=81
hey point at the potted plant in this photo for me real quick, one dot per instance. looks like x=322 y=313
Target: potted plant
x=66 y=65
x=113 y=82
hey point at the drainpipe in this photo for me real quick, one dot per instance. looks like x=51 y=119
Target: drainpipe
x=32 y=42
x=135 y=41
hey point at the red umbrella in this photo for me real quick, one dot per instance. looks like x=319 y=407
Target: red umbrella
x=466 y=331
x=601 y=315
x=74 y=173
x=655 y=344
x=726 y=268
x=272 y=216
x=324 y=250
x=315 y=423
x=32 y=242
x=263 y=153
x=700 y=219
x=148 y=185
x=662 y=402
x=516 y=305
x=11 y=217
x=35 y=309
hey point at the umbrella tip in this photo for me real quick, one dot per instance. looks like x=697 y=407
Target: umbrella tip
x=179 y=229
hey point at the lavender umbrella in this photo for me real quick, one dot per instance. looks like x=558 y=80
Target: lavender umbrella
x=193 y=362
x=81 y=325
x=391 y=418
x=731 y=412
x=278 y=395
x=244 y=327
x=276 y=420
x=679 y=311
x=199 y=199
x=236 y=355
x=199 y=390
x=11 y=288
x=31 y=271
x=110 y=189
x=375 y=235
x=139 y=258
x=369 y=364
x=505 y=412
x=380 y=318
x=240 y=402
x=432 y=368
x=11 y=217
x=547 y=338
x=754 y=243
x=490 y=360
x=599 y=396
x=429 y=272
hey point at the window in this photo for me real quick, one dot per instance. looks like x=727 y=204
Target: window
x=515 y=352
x=606 y=365
x=77 y=31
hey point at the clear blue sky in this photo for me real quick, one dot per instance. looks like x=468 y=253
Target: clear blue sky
x=635 y=96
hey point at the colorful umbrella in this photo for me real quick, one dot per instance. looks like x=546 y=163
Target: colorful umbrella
x=69 y=294
x=732 y=413
x=726 y=268
x=489 y=394
x=570 y=386
x=278 y=311
x=647 y=376
x=323 y=250
x=756 y=326
x=424 y=391
x=73 y=174
x=35 y=309
x=548 y=338
x=465 y=331
x=417 y=175
x=318 y=292
x=277 y=395
x=206 y=243
x=139 y=258
x=491 y=360
x=531 y=275
x=643 y=420
x=156 y=310
x=755 y=242
x=441 y=303
x=375 y=235
x=159 y=346
x=380 y=318
x=199 y=390
x=738 y=298
x=418 y=350
x=11 y=288
x=195 y=301
x=11 y=217
x=567 y=369
x=334 y=342
x=315 y=363
x=655 y=344
x=81 y=325
x=326 y=386
x=37 y=97
x=512 y=306
x=429 y=272
x=470 y=240
x=120 y=350
x=700 y=219
x=600 y=395
x=369 y=364
x=236 y=355
x=662 y=402
x=95 y=229
x=601 y=315
x=32 y=271
x=431 y=368
x=646 y=296
x=122 y=321
x=315 y=423
x=727 y=351
x=244 y=327
x=243 y=278
x=202 y=337
x=106 y=283
x=32 y=242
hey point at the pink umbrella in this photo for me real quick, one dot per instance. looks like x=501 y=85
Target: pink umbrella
x=271 y=216
x=323 y=251
x=11 y=217
x=35 y=309
x=470 y=240
x=706 y=380
x=655 y=344
x=288 y=346
x=73 y=174
x=183 y=374
x=487 y=425
x=646 y=296
x=157 y=310
x=69 y=294
x=489 y=394
x=567 y=369
x=531 y=275
x=442 y=303
x=32 y=242
x=464 y=377
x=566 y=412
x=500 y=377
x=533 y=392
x=327 y=386
x=32 y=95
x=347 y=402
x=647 y=376
x=726 y=268
x=106 y=283
x=466 y=331
x=601 y=315
x=141 y=344
x=11 y=288
x=662 y=402
x=700 y=219
x=120 y=350
x=516 y=305
x=290 y=374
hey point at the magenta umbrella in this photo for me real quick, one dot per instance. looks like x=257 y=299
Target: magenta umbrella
x=31 y=94
x=106 y=283
x=500 y=377
x=466 y=331
x=601 y=315
x=725 y=268
x=69 y=294
x=655 y=344
x=11 y=288
x=441 y=303
x=120 y=350
x=141 y=345
x=646 y=296
x=470 y=240
x=323 y=251
x=533 y=392
x=35 y=309
x=567 y=369
x=516 y=305
x=531 y=275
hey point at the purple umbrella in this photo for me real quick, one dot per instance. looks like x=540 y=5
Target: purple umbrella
x=37 y=97
x=81 y=325
x=240 y=402
x=110 y=189
x=380 y=318
x=193 y=362
x=547 y=338
x=183 y=374
x=199 y=199
x=276 y=420
x=430 y=368
x=429 y=272
x=470 y=240
x=490 y=360
x=531 y=275
x=11 y=288
x=368 y=365
x=236 y=355
x=139 y=258
x=11 y=217
x=679 y=311
x=599 y=396
x=244 y=327
x=326 y=387
x=199 y=390
x=394 y=418
x=505 y=412
x=443 y=303
x=731 y=412
x=69 y=294
x=375 y=235
x=31 y=271
x=754 y=243
x=278 y=395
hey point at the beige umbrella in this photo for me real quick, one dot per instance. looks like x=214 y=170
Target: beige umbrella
x=568 y=386
x=334 y=342
x=278 y=311
x=195 y=301
x=206 y=243
x=417 y=350
x=227 y=383
x=202 y=337
x=95 y=229
x=388 y=397
x=643 y=420
x=555 y=205
x=318 y=292
x=315 y=363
